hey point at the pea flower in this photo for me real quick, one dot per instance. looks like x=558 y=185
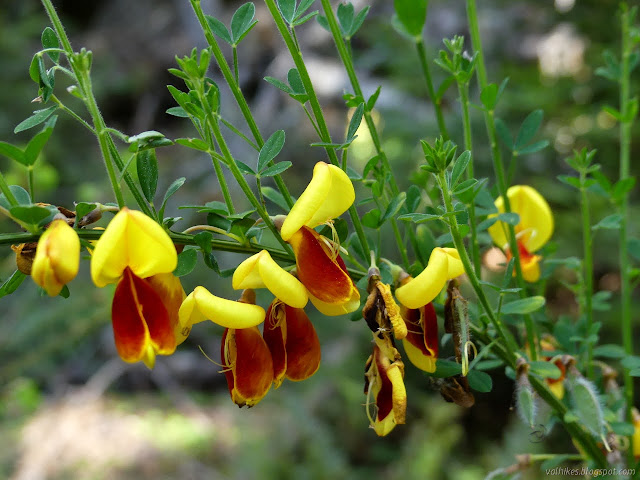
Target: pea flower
x=293 y=342
x=532 y=232
x=444 y=264
x=248 y=365
x=57 y=257
x=201 y=305
x=319 y=266
x=132 y=249
x=384 y=372
x=421 y=342
x=261 y=271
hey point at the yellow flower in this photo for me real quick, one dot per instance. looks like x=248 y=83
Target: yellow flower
x=319 y=266
x=532 y=232
x=329 y=194
x=132 y=240
x=137 y=253
x=201 y=305
x=261 y=271
x=421 y=343
x=444 y=264
x=57 y=257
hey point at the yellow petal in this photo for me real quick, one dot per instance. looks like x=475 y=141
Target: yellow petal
x=536 y=219
x=132 y=240
x=329 y=194
x=335 y=309
x=202 y=305
x=260 y=270
x=425 y=287
x=57 y=257
x=455 y=266
x=423 y=362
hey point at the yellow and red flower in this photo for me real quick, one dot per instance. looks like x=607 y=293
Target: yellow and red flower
x=319 y=266
x=532 y=232
x=421 y=342
x=293 y=343
x=57 y=257
x=384 y=373
x=444 y=264
x=247 y=363
x=137 y=253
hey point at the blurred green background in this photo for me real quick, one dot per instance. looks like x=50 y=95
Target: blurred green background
x=70 y=409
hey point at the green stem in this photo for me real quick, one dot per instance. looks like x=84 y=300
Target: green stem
x=73 y=114
x=236 y=91
x=625 y=156
x=4 y=188
x=587 y=267
x=463 y=89
x=473 y=279
x=242 y=182
x=498 y=168
x=316 y=108
x=30 y=181
x=236 y=75
x=437 y=102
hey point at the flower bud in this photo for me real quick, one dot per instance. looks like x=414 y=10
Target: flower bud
x=57 y=257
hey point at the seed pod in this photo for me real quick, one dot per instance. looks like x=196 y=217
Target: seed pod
x=587 y=406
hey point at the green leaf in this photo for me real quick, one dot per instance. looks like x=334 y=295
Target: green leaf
x=177 y=112
x=412 y=14
x=568 y=180
x=244 y=168
x=242 y=22
x=464 y=186
x=446 y=368
x=609 y=351
x=529 y=128
x=32 y=214
x=50 y=40
x=610 y=222
x=323 y=22
x=524 y=306
x=276 y=169
x=489 y=96
x=219 y=28
x=287 y=9
x=480 y=381
x=419 y=217
x=35 y=146
x=304 y=19
x=533 y=148
x=295 y=81
x=373 y=99
x=355 y=121
x=270 y=149
x=147 y=168
x=12 y=283
x=345 y=16
x=20 y=194
x=545 y=369
x=622 y=187
x=394 y=207
x=623 y=429
x=460 y=166
x=359 y=20
x=303 y=7
x=186 y=262
x=371 y=219
x=504 y=134
x=279 y=84
x=38 y=117
x=13 y=152
x=82 y=209
x=173 y=188
x=195 y=143
x=276 y=197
